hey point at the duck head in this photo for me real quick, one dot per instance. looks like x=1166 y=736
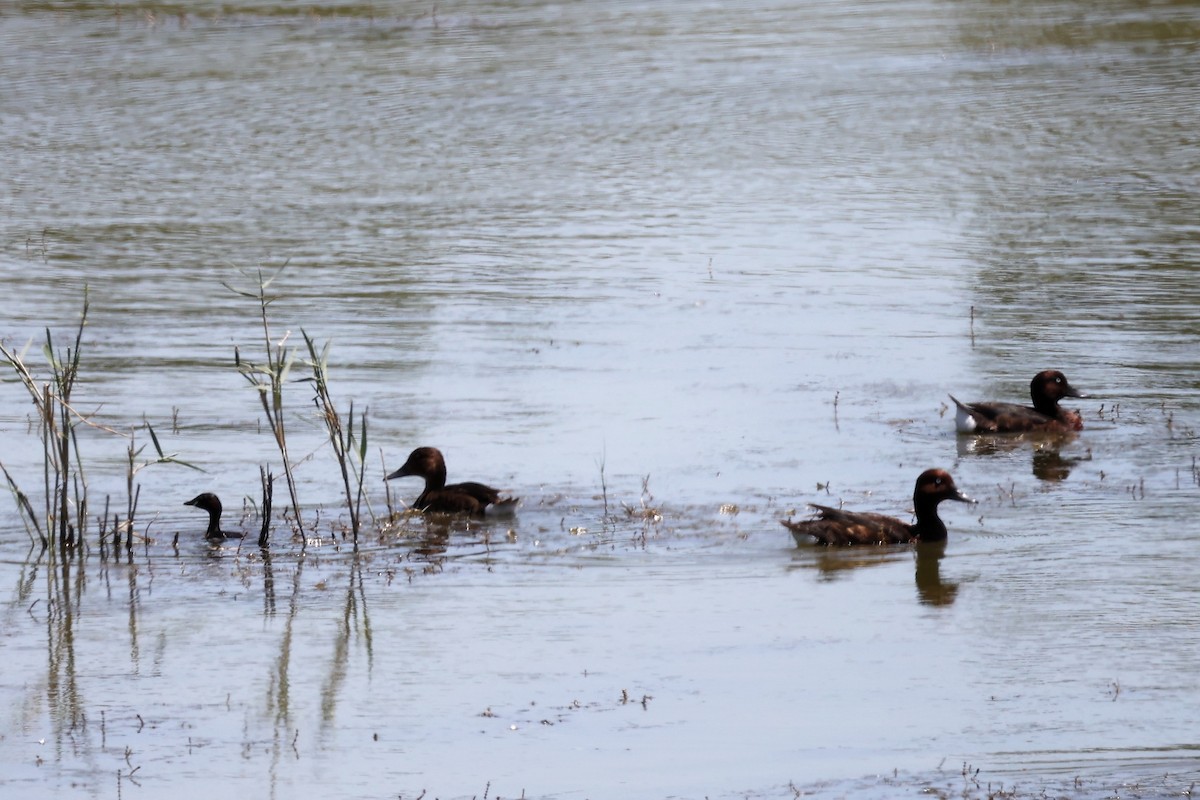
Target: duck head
x=934 y=486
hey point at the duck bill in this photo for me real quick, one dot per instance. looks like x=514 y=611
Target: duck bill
x=962 y=498
x=400 y=473
x=1071 y=391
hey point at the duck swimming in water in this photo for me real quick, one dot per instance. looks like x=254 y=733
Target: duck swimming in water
x=457 y=498
x=1046 y=389
x=836 y=527
x=212 y=504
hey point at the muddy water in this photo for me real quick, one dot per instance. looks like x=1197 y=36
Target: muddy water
x=669 y=273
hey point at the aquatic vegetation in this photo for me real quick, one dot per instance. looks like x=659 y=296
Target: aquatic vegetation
x=268 y=379
x=64 y=521
x=65 y=482
x=349 y=449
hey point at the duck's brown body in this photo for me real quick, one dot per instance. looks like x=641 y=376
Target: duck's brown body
x=212 y=504
x=833 y=526
x=1046 y=389
x=456 y=498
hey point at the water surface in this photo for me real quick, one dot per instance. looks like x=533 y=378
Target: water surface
x=668 y=272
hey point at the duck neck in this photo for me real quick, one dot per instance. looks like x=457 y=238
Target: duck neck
x=436 y=480
x=1045 y=405
x=929 y=527
x=214 y=525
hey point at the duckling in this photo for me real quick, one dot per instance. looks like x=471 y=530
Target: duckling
x=834 y=526
x=457 y=498
x=212 y=504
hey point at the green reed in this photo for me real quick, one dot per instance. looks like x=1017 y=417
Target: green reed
x=349 y=449
x=63 y=476
x=268 y=380
x=65 y=483
x=349 y=442
x=268 y=490
x=134 y=465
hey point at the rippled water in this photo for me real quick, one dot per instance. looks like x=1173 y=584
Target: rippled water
x=668 y=272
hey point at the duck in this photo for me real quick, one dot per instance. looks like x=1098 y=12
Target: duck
x=1047 y=388
x=212 y=504
x=457 y=498
x=833 y=526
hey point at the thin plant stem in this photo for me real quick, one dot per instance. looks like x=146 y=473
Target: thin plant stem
x=349 y=449
x=268 y=381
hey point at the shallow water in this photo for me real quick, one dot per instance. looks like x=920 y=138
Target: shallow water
x=667 y=272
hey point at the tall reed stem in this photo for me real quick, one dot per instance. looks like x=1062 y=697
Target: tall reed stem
x=62 y=474
x=349 y=450
x=268 y=380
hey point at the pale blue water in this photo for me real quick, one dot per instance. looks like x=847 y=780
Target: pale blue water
x=705 y=263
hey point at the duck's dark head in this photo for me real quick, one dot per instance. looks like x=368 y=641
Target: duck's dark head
x=934 y=486
x=1052 y=385
x=207 y=501
x=424 y=462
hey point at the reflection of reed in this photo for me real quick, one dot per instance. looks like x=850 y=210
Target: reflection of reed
x=66 y=582
x=268 y=584
x=134 y=648
x=25 y=585
x=64 y=703
x=279 y=686
x=354 y=619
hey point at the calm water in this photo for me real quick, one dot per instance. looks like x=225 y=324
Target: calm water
x=667 y=271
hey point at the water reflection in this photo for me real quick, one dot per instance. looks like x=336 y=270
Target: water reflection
x=354 y=621
x=835 y=563
x=429 y=543
x=1047 y=462
x=59 y=612
x=279 y=683
x=932 y=590
x=1030 y=161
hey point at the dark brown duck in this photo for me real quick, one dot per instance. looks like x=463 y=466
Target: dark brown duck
x=1047 y=388
x=834 y=526
x=457 y=498
x=212 y=504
